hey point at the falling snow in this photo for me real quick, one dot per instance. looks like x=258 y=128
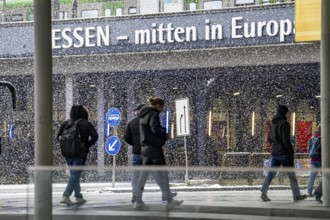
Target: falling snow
x=222 y=101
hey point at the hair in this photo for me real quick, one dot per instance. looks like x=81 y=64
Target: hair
x=156 y=100
x=318 y=128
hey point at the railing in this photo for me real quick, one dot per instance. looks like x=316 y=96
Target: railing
x=261 y=161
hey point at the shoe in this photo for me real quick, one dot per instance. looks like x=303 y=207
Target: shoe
x=264 y=197
x=66 y=200
x=173 y=194
x=133 y=199
x=80 y=201
x=309 y=194
x=299 y=198
x=140 y=206
x=174 y=203
x=318 y=198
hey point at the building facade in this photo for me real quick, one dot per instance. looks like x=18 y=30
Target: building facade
x=235 y=65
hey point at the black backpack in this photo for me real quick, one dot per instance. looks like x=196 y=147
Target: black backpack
x=70 y=141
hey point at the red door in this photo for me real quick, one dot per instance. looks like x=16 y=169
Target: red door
x=304 y=132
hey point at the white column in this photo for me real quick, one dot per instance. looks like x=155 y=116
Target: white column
x=68 y=95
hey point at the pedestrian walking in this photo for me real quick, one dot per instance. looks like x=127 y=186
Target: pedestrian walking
x=314 y=152
x=282 y=154
x=152 y=138
x=86 y=137
x=132 y=137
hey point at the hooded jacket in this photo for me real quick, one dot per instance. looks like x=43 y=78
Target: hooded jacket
x=152 y=135
x=279 y=136
x=87 y=131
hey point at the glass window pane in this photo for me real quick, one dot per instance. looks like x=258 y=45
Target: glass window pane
x=212 y=5
x=89 y=14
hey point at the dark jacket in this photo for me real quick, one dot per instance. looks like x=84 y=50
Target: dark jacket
x=132 y=135
x=152 y=135
x=87 y=131
x=279 y=136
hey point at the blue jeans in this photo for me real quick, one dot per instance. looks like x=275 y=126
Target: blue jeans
x=74 y=179
x=137 y=160
x=287 y=161
x=312 y=175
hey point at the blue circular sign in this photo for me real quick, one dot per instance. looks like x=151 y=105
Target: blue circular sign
x=113 y=117
x=112 y=146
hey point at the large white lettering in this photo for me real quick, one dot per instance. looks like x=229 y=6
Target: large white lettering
x=56 y=38
x=285 y=29
x=67 y=38
x=80 y=37
x=270 y=28
x=235 y=27
x=169 y=33
x=77 y=32
x=165 y=34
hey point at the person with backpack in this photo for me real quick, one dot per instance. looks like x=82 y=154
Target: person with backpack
x=314 y=152
x=152 y=138
x=76 y=135
x=282 y=154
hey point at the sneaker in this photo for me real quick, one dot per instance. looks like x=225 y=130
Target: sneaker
x=140 y=206
x=173 y=194
x=309 y=194
x=80 y=201
x=318 y=198
x=174 y=203
x=264 y=197
x=299 y=198
x=66 y=200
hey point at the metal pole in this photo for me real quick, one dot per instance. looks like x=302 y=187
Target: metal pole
x=325 y=96
x=114 y=164
x=186 y=155
x=43 y=109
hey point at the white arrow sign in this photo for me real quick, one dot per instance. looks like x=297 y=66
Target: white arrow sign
x=182 y=117
x=112 y=146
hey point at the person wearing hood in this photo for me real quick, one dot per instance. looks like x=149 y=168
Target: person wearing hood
x=132 y=137
x=152 y=139
x=282 y=154
x=88 y=135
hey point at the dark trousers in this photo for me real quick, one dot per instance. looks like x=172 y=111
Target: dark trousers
x=318 y=191
x=163 y=181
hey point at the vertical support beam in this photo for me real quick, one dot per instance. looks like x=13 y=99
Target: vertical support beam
x=133 y=91
x=43 y=109
x=100 y=124
x=201 y=109
x=325 y=99
x=68 y=95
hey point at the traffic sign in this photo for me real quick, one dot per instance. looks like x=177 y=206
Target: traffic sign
x=113 y=117
x=182 y=117
x=112 y=146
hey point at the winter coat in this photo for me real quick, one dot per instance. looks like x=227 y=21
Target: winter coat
x=87 y=131
x=279 y=136
x=132 y=135
x=152 y=135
